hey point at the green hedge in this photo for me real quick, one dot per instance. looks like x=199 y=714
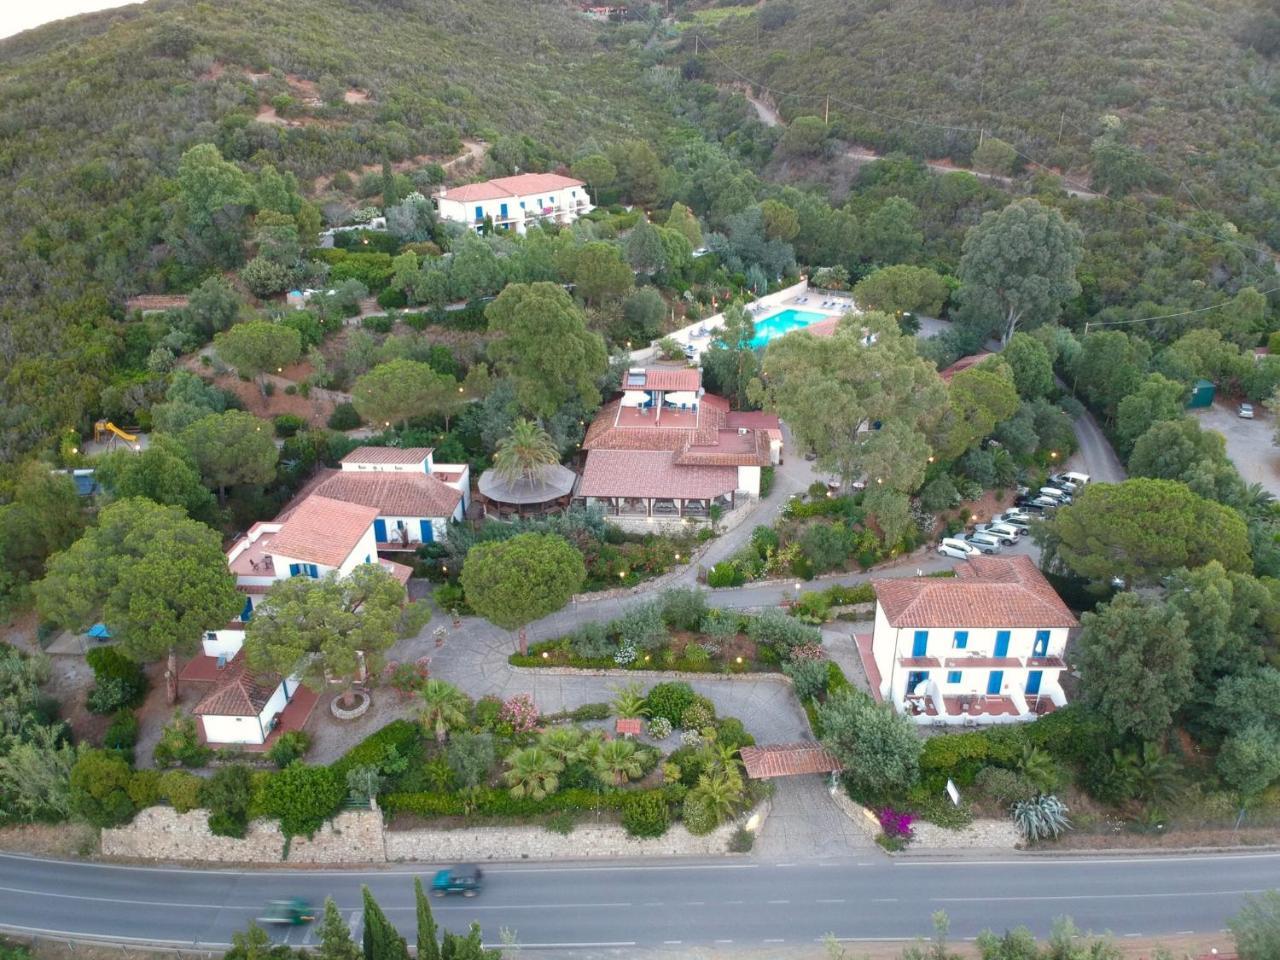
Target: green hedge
x=401 y=734
x=500 y=803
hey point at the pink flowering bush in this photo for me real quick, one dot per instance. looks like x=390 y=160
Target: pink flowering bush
x=520 y=712
x=896 y=823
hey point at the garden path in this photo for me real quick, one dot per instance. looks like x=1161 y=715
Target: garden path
x=804 y=824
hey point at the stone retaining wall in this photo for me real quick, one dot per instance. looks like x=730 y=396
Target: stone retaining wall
x=686 y=675
x=161 y=833
x=979 y=835
x=358 y=836
x=538 y=843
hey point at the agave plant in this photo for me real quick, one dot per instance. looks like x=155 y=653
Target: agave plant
x=1041 y=818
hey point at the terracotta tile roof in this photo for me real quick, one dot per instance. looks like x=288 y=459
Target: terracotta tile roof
x=239 y=693
x=753 y=420
x=393 y=494
x=629 y=725
x=521 y=185
x=787 y=760
x=666 y=378
x=731 y=449
x=987 y=592
x=397 y=570
x=964 y=363
x=708 y=442
x=391 y=455
x=322 y=530
x=147 y=302
x=652 y=473
x=822 y=328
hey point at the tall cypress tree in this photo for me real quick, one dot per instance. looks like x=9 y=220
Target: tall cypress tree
x=381 y=941
x=335 y=937
x=428 y=946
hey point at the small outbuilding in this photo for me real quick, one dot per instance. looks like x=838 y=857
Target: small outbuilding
x=1202 y=394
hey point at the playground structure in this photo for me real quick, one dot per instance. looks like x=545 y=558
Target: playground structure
x=114 y=433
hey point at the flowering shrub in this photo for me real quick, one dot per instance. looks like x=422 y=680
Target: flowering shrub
x=808 y=651
x=896 y=823
x=406 y=678
x=520 y=712
x=659 y=728
x=690 y=738
x=625 y=654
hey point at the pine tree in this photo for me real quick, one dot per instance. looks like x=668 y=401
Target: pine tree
x=428 y=947
x=335 y=936
x=381 y=941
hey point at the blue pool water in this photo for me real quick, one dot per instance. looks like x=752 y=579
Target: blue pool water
x=767 y=328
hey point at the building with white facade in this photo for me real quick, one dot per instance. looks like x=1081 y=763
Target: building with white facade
x=320 y=536
x=666 y=449
x=986 y=646
x=415 y=497
x=514 y=203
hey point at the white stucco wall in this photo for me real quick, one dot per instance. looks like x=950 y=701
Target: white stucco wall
x=232 y=729
x=366 y=550
x=749 y=480
x=422 y=466
x=218 y=643
x=465 y=211
x=439 y=526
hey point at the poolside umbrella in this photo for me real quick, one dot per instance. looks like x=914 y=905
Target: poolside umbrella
x=681 y=398
x=635 y=398
x=99 y=631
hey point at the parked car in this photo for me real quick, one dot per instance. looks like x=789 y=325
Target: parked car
x=1017 y=519
x=1053 y=493
x=1058 y=483
x=1246 y=411
x=957 y=548
x=1079 y=479
x=1005 y=533
x=984 y=542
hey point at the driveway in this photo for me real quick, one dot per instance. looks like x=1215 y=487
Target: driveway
x=1249 y=442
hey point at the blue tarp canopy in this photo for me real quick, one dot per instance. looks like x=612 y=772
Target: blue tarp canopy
x=99 y=631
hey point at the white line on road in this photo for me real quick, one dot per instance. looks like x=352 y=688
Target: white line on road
x=724 y=941
x=1081 y=861
x=1100 y=896
x=829 y=901
x=140 y=903
x=672 y=942
x=562 y=946
x=774 y=940
x=777 y=901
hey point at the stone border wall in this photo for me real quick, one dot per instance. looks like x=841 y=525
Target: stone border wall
x=979 y=835
x=686 y=675
x=359 y=836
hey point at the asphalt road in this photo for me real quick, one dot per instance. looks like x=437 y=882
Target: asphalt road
x=596 y=908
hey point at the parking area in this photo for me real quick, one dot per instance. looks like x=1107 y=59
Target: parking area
x=1249 y=442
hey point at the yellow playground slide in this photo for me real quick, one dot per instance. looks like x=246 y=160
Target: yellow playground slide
x=106 y=426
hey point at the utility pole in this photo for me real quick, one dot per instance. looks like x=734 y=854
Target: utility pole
x=826 y=112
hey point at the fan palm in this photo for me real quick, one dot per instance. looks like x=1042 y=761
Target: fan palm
x=629 y=702
x=444 y=707
x=563 y=743
x=719 y=792
x=618 y=761
x=525 y=453
x=532 y=772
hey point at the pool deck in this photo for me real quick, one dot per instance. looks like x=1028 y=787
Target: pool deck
x=799 y=296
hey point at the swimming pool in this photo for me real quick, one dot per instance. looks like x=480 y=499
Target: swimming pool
x=775 y=325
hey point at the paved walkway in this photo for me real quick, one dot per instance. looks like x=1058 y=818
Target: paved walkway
x=804 y=824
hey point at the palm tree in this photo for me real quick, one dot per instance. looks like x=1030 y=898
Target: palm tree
x=719 y=792
x=525 y=453
x=629 y=702
x=532 y=772
x=563 y=743
x=1038 y=767
x=618 y=761
x=444 y=707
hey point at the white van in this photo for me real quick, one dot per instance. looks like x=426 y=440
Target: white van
x=986 y=542
x=1077 y=479
x=957 y=548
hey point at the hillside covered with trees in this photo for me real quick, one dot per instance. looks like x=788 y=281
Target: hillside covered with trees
x=1167 y=96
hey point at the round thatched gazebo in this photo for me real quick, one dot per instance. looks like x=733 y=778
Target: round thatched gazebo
x=549 y=492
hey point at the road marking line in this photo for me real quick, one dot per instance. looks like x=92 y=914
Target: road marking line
x=830 y=901
x=1100 y=896
x=550 y=946
x=774 y=940
x=673 y=941
x=724 y=941
x=697 y=903
x=140 y=903
x=109 y=938
x=777 y=901
x=885 y=900
x=1084 y=860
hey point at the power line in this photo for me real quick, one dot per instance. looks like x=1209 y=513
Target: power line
x=1167 y=316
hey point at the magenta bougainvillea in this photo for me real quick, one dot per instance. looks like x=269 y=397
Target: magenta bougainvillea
x=896 y=823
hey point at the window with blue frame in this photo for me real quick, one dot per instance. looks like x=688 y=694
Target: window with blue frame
x=961 y=639
x=304 y=570
x=1041 y=647
x=920 y=644
x=953 y=676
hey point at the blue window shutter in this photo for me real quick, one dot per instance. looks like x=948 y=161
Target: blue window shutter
x=247 y=613
x=380 y=530
x=479 y=213
x=1033 y=682
x=1042 y=644
x=368 y=559
x=428 y=532
x=920 y=644
x=995 y=680
x=961 y=639
x=1002 y=643
x=295 y=569
x=313 y=571
x=953 y=676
